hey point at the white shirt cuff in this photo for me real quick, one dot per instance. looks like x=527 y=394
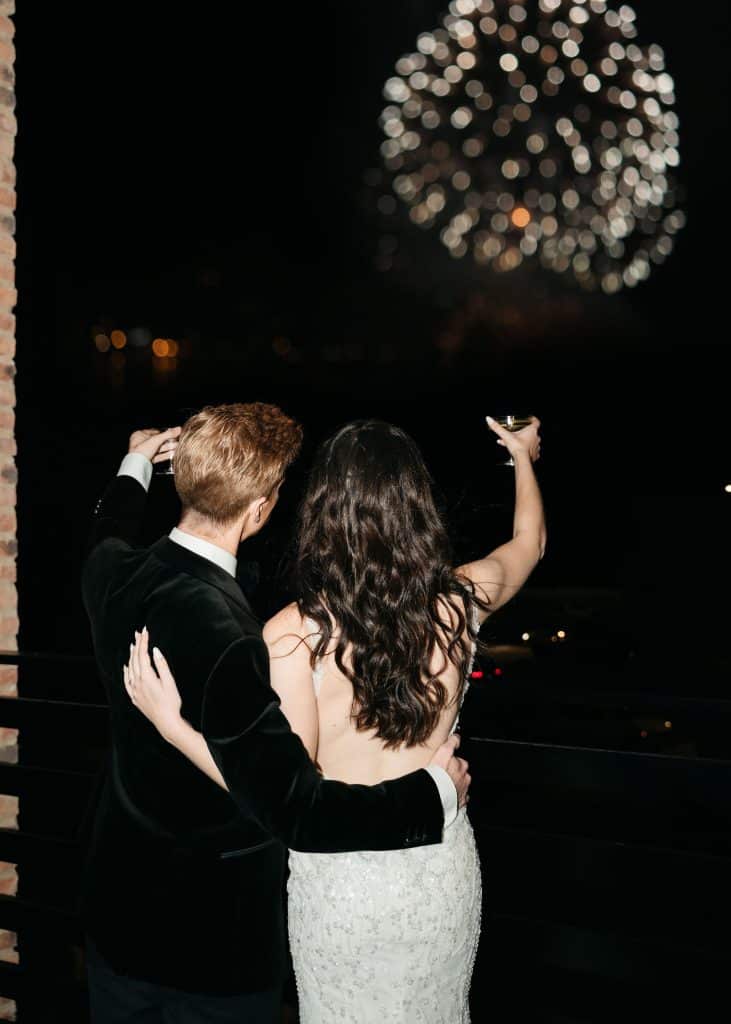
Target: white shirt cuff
x=138 y=467
x=447 y=791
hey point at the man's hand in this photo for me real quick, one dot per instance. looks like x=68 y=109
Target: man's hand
x=155 y=445
x=455 y=767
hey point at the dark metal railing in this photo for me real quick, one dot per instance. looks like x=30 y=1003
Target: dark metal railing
x=603 y=869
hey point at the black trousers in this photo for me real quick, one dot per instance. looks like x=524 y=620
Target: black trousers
x=117 y=999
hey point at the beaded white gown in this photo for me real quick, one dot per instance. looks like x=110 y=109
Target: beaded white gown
x=386 y=936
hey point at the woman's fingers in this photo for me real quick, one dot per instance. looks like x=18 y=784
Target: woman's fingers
x=147 y=668
x=167 y=679
x=147 y=675
x=129 y=684
x=163 y=670
x=144 y=650
x=136 y=662
x=496 y=427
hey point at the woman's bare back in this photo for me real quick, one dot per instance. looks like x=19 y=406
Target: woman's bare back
x=318 y=703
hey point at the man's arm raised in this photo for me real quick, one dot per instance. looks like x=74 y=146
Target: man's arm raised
x=119 y=511
x=118 y=514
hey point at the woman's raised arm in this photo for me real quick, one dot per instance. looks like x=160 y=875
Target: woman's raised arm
x=500 y=575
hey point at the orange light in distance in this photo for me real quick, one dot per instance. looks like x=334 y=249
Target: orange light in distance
x=520 y=217
x=118 y=339
x=160 y=347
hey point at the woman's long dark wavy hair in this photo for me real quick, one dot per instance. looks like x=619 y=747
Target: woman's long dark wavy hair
x=374 y=566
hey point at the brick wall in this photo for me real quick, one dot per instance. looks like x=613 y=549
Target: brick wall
x=8 y=597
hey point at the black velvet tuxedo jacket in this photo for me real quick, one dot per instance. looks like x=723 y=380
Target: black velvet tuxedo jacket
x=184 y=882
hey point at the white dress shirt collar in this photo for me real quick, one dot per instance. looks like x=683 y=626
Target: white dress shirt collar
x=220 y=557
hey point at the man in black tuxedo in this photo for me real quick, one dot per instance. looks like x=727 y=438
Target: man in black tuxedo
x=183 y=888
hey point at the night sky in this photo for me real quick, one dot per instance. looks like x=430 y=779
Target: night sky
x=201 y=176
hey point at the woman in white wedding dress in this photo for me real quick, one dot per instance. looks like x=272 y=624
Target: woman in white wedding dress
x=371 y=664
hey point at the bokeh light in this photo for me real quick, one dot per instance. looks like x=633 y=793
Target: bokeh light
x=537 y=131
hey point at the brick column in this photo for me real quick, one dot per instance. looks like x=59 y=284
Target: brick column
x=8 y=475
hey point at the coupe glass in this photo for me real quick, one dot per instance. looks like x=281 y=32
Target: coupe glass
x=512 y=423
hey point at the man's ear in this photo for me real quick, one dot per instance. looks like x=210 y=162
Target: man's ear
x=256 y=508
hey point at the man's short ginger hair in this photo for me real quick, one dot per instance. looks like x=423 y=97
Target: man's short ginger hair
x=230 y=455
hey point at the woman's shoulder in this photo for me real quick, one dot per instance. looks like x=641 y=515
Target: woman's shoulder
x=286 y=620
x=286 y=630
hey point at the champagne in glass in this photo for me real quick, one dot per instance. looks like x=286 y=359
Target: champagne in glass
x=512 y=423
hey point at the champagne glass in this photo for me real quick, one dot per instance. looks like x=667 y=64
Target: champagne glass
x=163 y=468
x=166 y=467
x=512 y=423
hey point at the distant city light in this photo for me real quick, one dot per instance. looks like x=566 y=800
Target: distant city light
x=668 y=725
x=165 y=350
x=727 y=488
x=643 y=734
x=477 y=674
x=534 y=132
x=561 y=634
x=520 y=217
x=525 y=636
